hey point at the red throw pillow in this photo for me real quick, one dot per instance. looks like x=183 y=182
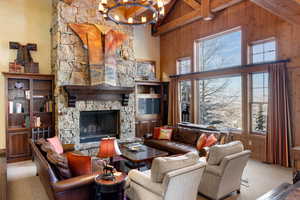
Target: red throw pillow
x=165 y=134
x=56 y=144
x=201 y=141
x=156 y=132
x=211 y=140
x=79 y=165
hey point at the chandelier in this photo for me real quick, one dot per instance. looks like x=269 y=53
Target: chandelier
x=125 y=12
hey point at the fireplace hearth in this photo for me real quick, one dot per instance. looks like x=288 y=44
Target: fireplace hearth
x=95 y=125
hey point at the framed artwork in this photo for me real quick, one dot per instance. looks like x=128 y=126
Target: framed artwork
x=146 y=70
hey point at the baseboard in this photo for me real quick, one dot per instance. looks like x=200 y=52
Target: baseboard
x=2 y=152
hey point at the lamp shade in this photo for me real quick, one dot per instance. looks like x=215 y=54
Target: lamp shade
x=108 y=148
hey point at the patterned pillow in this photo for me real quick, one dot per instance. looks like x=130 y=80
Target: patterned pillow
x=165 y=134
x=57 y=146
x=79 y=164
x=201 y=141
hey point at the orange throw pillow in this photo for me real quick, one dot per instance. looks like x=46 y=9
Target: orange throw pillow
x=201 y=141
x=156 y=132
x=79 y=165
x=211 y=140
x=56 y=144
x=165 y=134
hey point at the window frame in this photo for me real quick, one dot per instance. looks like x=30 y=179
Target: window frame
x=183 y=59
x=250 y=49
x=251 y=102
x=196 y=67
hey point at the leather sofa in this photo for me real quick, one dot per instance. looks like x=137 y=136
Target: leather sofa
x=183 y=140
x=75 y=188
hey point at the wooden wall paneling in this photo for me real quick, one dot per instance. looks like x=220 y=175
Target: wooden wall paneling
x=257 y=24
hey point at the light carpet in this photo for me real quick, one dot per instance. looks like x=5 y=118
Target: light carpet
x=258 y=178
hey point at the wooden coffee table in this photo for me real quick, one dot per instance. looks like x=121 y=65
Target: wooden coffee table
x=145 y=156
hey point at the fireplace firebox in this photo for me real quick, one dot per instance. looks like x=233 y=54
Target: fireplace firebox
x=95 y=125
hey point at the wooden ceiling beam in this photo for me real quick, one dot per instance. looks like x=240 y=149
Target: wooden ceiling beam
x=288 y=10
x=193 y=4
x=214 y=5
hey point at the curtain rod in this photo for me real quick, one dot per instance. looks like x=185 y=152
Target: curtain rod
x=234 y=67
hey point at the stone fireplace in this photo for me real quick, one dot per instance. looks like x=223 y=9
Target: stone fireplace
x=95 y=125
x=69 y=57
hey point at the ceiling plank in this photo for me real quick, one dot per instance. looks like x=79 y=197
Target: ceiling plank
x=193 y=4
x=288 y=10
x=136 y=11
x=215 y=6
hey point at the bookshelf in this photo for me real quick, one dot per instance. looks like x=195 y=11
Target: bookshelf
x=30 y=105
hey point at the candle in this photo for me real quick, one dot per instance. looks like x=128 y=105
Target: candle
x=130 y=20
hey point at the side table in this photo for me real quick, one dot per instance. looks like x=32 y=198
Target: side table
x=108 y=190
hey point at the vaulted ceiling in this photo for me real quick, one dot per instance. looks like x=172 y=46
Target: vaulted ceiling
x=288 y=10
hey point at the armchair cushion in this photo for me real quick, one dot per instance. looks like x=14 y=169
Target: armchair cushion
x=218 y=152
x=144 y=179
x=163 y=165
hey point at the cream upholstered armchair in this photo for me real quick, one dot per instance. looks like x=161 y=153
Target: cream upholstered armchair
x=224 y=169
x=170 y=178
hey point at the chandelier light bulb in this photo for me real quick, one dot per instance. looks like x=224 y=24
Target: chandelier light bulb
x=104 y=2
x=160 y=3
x=130 y=20
x=162 y=11
x=144 y=19
x=117 y=17
x=125 y=1
x=101 y=7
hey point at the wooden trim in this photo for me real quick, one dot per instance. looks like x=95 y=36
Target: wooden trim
x=193 y=4
x=229 y=71
x=28 y=75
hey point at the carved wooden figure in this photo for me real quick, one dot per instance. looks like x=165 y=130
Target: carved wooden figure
x=101 y=42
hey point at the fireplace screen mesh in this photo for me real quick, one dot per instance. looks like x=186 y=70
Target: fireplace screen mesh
x=95 y=125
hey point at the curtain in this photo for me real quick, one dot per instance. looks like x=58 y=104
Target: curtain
x=173 y=115
x=279 y=137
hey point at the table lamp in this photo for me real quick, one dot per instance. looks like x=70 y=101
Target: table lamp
x=108 y=149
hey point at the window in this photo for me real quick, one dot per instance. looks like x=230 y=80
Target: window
x=221 y=51
x=184 y=67
x=220 y=102
x=259 y=101
x=263 y=51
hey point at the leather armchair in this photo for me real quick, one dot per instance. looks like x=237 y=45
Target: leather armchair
x=219 y=180
x=176 y=185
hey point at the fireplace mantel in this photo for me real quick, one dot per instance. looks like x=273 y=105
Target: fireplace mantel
x=99 y=92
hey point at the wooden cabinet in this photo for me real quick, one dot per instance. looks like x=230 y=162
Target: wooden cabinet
x=29 y=106
x=151 y=106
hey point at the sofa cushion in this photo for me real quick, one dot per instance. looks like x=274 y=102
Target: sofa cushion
x=170 y=146
x=163 y=165
x=186 y=135
x=218 y=152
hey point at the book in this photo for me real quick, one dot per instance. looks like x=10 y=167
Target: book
x=11 y=107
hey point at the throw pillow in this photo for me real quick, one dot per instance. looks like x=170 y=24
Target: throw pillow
x=165 y=134
x=211 y=140
x=79 y=165
x=156 y=132
x=60 y=162
x=57 y=146
x=201 y=141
